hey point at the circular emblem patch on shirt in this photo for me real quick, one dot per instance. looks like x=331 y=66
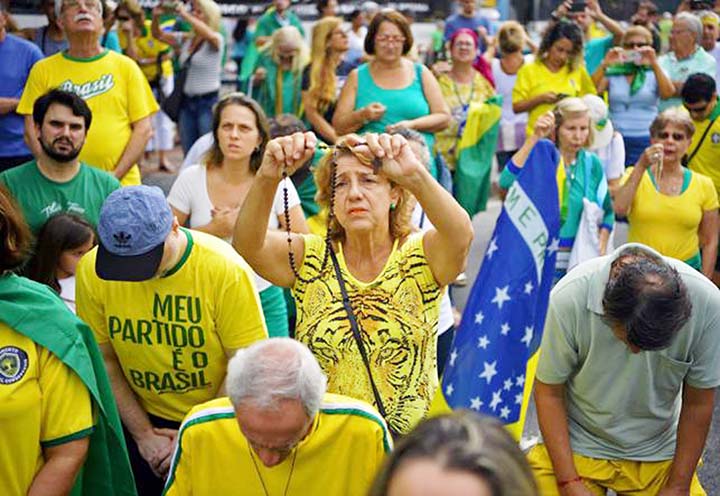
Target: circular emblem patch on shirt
x=715 y=138
x=13 y=364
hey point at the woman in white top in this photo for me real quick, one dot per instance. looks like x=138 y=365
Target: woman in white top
x=208 y=196
x=510 y=41
x=205 y=44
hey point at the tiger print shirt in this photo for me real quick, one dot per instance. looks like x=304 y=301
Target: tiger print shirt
x=397 y=314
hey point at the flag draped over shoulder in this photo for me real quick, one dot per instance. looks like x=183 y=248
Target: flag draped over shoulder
x=475 y=152
x=492 y=363
x=34 y=311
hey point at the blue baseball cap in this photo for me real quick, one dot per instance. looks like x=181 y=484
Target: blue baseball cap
x=134 y=223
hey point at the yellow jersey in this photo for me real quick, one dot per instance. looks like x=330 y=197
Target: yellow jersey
x=706 y=160
x=535 y=78
x=116 y=91
x=172 y=334
x=340 y=456
x=397 y=314
x=150 y=48
x=669 y=224
x=45 y=404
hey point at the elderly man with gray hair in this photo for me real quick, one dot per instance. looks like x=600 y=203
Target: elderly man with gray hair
x=279 y=432
x=686 y=56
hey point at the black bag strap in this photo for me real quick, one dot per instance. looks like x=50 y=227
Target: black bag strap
x=702 y=139
x=356 y=333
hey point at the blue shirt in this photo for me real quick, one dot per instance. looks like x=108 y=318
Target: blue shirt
x=458 y=21
x=17 y=56
x=111 y=41
x=632 y=115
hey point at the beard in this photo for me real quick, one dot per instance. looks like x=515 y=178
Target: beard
x=59 y=156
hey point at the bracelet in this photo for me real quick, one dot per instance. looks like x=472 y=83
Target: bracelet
x=562 y=484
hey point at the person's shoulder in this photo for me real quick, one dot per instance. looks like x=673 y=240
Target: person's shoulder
x=217 y=255
x=99 y=175
x=21 y=44
x=86 y=267
x=702 y=180
x=353 y=409
x=16 y=175
x=215 y=409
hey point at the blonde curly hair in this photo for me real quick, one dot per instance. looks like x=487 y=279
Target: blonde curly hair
x=399 y=223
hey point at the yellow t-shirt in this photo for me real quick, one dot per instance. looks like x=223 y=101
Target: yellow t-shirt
x=116 y=91
x=339 y=457
x=669 y=224
x=535 y=79
x=397 y=314
x=44 y=404
x=458 y=96
x=171 y=334
x=707 y=157
x=149 y=47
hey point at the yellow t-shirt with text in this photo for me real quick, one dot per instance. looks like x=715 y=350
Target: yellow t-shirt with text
x=341 y=455
x=44 y=404
x=535 y=78
x=707 y=159
x=116 y=91
x=172 y=334
x=669 y=224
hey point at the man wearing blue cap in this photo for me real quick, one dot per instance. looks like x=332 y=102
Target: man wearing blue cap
x=168 y=307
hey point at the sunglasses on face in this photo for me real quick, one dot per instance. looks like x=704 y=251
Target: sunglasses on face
x=663 y=135
x=697 y=110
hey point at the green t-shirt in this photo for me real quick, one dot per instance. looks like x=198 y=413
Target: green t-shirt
x=622 y=405
x=40 y=198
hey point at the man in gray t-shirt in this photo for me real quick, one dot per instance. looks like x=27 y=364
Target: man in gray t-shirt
x=626 y=376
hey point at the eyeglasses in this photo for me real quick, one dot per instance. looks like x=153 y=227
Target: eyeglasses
x=75 y=4
x=637 y=44
x=123 y=19
x=464 y=44
x=390 y=39
x=663 y=135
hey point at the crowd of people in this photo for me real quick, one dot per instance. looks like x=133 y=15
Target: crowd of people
x=277 y=322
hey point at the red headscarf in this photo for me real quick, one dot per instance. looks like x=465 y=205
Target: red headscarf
x=480 y=64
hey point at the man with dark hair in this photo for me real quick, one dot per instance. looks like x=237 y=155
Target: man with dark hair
x=626 y=377
x=17 y=56
x=646 y=16
x=56 y=180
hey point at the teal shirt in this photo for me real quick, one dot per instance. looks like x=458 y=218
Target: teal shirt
x=266 y=93
x=269 y=23
x=595 y=51
x=622 y=405
x=40 y=198
x=401 y=104
x=572 y=198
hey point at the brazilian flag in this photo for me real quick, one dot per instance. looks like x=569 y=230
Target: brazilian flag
x=475 y=153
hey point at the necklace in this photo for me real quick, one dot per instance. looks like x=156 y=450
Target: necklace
x=257 y=470
x=464 y=105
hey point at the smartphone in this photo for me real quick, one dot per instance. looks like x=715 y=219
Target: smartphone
x=578 y=6
x=632 y=56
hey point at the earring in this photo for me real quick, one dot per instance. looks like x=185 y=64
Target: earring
x=392 y=207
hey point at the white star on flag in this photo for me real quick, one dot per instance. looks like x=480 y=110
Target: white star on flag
x=504 y=412
x=518 y=399
x=453 y=357
x=501 y=296
x=479 y=317
x=496 y=399
x=507 y=384
x=475 y=403
x=449 y=390
x=505 y=329
x=483 y=342
x=489 y=371
x=528 y=336
x=529 y=287
x=520 y=380
x=491 y=249
x=554 y=245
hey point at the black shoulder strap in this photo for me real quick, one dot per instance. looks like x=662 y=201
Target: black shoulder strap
x=702 y=139
x=356 y=333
